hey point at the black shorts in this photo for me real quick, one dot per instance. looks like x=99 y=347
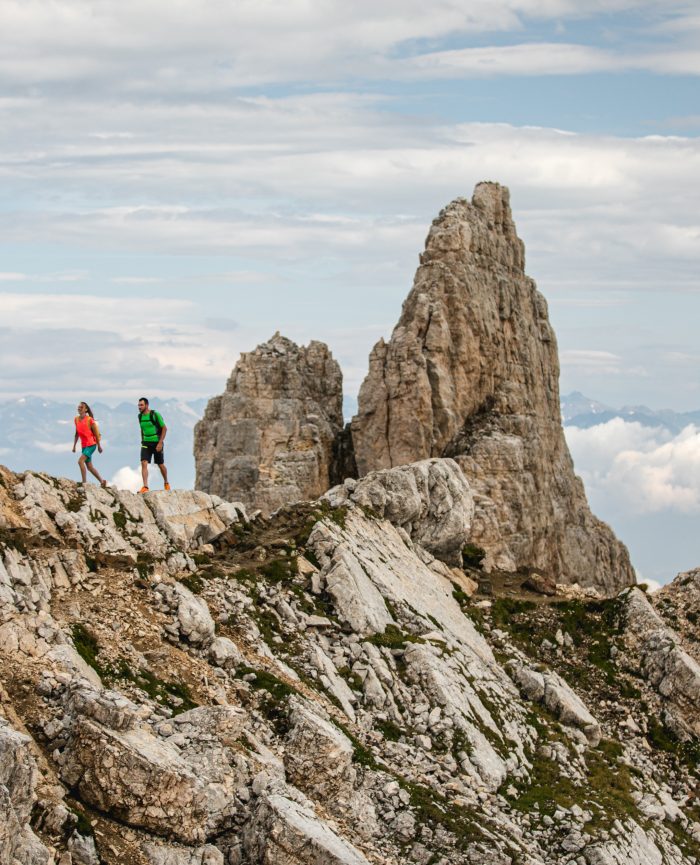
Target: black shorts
x=148 y=450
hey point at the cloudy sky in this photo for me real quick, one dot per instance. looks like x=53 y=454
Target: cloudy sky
x=180 y=179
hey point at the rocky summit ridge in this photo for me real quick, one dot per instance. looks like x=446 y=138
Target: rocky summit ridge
x=471 y=372
x=183 y=685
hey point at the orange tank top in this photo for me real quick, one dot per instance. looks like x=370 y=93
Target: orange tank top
x=83 y=428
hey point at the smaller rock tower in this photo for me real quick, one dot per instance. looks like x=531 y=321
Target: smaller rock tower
x=268 y=439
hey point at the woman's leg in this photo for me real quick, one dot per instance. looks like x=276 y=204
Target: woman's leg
x=93 y=471
x=81 y=463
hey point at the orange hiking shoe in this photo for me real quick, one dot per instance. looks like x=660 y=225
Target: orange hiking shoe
x=167 y=486
x=143 y=490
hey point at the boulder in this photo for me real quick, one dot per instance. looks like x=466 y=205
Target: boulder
x=430 y=500
x=285 y=832
x=192 y=616
x=318 y=756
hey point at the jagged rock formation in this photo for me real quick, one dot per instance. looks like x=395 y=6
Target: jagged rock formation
x=471 y=372
x=268 y=440
x=180 y=686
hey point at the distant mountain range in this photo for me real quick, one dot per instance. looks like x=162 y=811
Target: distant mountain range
x=37 y=433
x=583 y=412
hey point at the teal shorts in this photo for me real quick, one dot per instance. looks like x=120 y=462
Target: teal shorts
x=88 y=452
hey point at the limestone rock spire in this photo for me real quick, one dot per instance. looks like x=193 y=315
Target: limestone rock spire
x=471 y=371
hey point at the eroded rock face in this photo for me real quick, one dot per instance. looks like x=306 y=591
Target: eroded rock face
x=18 y=777
x=355 y=705
x=663 y=661
x=430 y=500
x=268 y=439
x=471 y=372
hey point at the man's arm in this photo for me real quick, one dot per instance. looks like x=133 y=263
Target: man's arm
x=163 y=431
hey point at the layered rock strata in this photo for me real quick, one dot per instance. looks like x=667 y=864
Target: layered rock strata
x=471 y=372
x=182 y=686
x=268 y=440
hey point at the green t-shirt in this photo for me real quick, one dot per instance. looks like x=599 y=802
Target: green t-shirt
x=149 y=431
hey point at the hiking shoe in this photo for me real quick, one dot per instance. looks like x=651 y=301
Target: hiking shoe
x=167 y=486
x=143 y=490
x=103 y=484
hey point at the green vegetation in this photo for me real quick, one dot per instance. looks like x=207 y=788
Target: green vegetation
x=360 y=753
x=87 y=647
x=659 y=736
x=610 y=785
x=143 y=564
x=322 y=511
x=83 y=826
x=74 y=504
x=508 y=614
x=119 y=518
x=194 y=582
x=278 y=570
x=393 y=638
x=201 y=559
x=434 y=809
x=472 y=556
x=266 y=681
x=391 y=731
x=175 y=695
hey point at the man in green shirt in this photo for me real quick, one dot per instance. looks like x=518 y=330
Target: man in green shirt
x=153 y=430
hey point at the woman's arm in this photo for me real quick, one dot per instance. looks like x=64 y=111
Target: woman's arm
x=75 y=440
x=96 y=432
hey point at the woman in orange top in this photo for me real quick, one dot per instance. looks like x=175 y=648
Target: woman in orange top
x=89 y=434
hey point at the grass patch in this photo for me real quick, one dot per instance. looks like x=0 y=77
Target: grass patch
x=175 y=695
x=662 y=738
x=393 y=638
x=266 y=681
x=323 y=511
x=278 y=570
x=361 y=754
x=144 y=561
x=87 y=647
x=74 y=504
x=201 y=559
x=435 y=810
x=193 y=582
x=119 y=518
x=391 y=731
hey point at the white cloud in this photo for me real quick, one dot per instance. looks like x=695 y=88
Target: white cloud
x=127 y=478
x=138 y=48
x=639 y=469
x=53 y=447
x=553 y=58
x=651 y=585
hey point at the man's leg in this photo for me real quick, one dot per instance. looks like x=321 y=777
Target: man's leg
x=144 y=472
x=164 y=472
